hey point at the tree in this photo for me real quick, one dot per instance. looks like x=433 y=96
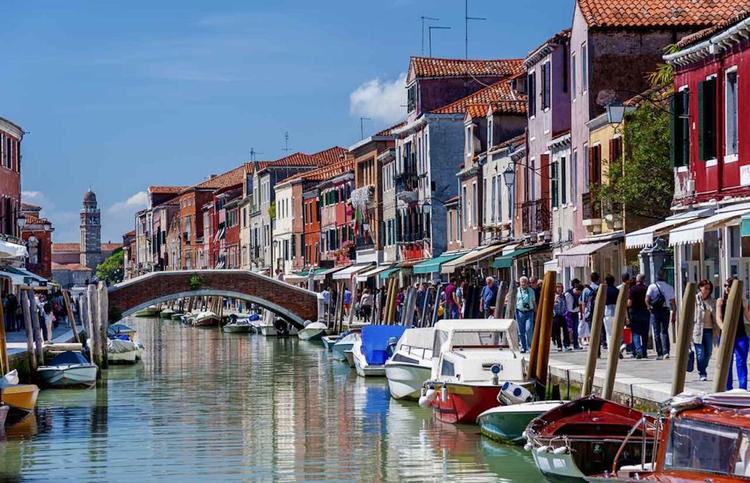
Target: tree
x=111 y=270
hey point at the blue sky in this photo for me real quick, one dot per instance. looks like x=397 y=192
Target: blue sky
x=121 y=95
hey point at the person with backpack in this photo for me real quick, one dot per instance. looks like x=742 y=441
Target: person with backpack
x=741 y=340
x=572 y=298
x=587 y=303
x=610 y=304
x=638 y=316
x=525 y=307
x=559 y=311
x=660 y=301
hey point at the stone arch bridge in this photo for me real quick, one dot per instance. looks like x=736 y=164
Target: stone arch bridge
x=293 y=303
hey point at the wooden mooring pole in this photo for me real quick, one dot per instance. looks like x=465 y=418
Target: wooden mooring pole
x=594 y=338
x=615 y=340
x=543 y=340
x=103 y=312
x=732 y=313
x=38 y=339
x=69 y=309
x=3 y=344
x=93 y=320
x=29 y=329
x=684 y=338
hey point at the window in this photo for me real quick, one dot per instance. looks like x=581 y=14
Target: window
x=574 y=178
x=475 y=204
x=563 y=180
x=490 y=126
x=451 y=235
x=554 y=184
x=730 y=110
x=463 y=207
x=595 y=165
x=546 y=85
x=615 y=159
x=585 y=66
x=573 y=74
x=411 y=98
x=586 y=167
x=493 y=203
x=680 y=148
x=532 y=94
x=707 y=119
x=690 y=440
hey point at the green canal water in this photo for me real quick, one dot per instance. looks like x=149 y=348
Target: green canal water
x=207 y=406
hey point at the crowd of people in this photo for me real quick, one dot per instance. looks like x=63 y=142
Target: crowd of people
x=50 y=308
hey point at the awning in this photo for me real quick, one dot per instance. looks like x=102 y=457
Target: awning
x=745 y=225
x=579 y=255
x=471 y=257
x=363 y=276
x=387 y=273
x=295 y=278
x=349 y=271
x=694 y=232
x=645 y=236
x=21 y=276
x=320 y=274
x=433 y=265
x=12 y=250
x=506 y=261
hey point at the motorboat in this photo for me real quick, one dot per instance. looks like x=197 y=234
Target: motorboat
x=166 y=314
x=238 y=325
x=374 y=347
x=206 y=319
x=120 y=329
x=329 y=341
x=587 y=437
x=177 y=315
x=68 y=370
x=472 y=358
x=150 y=311
x=701 y=437
x=349 y=356
x=21 y=398
x=344 y=344
x=122 y=351
x=312 y=331
x=507 y=423
x=411 y=363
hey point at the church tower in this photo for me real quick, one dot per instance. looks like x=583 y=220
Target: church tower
x=91 y=232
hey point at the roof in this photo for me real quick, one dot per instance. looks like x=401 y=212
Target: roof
x=653 y=94
x=521 y=138
x=389 y=130
x=32 y=219
x=110 y=247
x=654 y=13
x=130 y=233
x=331 y=155
x=30 y=207
x=66 y=247
x=500 y=93
x=235 y=176
x=166 y=189
x=706 y=33
x=435 y=67
x=73 y=267
x=324 y=173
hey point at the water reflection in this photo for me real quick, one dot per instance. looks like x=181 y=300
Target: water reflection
x=212 y=406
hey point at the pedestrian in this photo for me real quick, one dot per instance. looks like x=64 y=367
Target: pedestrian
x=609 y=309
x=326 y=298
x=347 y=300
x=525 y=306
x=461 y=299
x=451 y=302
x=587 y=305
x=488 y=297
x=703 y=328
x=660 y=301
x=399 y=303
x=740 y=340
x=559 y=324
x=365 y=304
x=572 y=298
x=421 y=297
x=48 y=318
x=638 y=316
x=625 y=285
x=536 y=287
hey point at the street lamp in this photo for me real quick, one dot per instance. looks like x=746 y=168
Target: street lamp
x=615 y=112
x=509 y=176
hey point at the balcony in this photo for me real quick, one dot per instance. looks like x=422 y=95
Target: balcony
x=535 y=216
x=592 y=213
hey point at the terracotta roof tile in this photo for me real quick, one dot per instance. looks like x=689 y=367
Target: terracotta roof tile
x=434 y=67
x=30 y=207
x=389 y=130
x=166 y=189
x=74 y=267
x=232 y=177
x=66 y=247
x=332 y=155
x=32 y=219
x=324 y=173
x=110 y=247
x=654 y=13
x=500 y=93
x=711 y=31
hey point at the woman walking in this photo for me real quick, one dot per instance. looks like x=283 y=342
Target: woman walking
x=741 y=339
x=703 y=329
x=559 y=323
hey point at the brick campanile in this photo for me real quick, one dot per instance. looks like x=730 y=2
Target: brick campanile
x=91 y=232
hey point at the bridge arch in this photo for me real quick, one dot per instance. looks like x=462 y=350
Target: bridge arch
x=293 y=303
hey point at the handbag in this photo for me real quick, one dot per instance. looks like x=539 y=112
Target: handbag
x=691 y=361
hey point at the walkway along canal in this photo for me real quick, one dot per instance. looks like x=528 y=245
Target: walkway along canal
x=205 y=405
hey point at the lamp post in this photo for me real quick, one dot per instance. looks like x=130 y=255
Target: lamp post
x=509 y=176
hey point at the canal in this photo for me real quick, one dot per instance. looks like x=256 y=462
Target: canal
x=203 y=405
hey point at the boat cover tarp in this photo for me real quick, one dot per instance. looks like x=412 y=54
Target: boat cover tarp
x=117 y=346
x=375 y=341
x=254 y=317
x=422 y=338
x=68 y=357
x=117 y=328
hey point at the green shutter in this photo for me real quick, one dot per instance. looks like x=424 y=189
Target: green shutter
x=554 y=185
x=701 y=121
x=710 y=113
x=673 y=129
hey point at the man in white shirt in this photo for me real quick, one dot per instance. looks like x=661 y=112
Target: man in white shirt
x=660 y=301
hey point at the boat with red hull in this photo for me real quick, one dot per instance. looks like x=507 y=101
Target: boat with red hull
x=472 y=359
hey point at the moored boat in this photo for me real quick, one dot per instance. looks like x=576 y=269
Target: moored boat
x=238 y=325
x=344 y=344
x=21 y=399
x=584 y=437
x=206 y=319
x=68 y=370
x=374 y=347
x=349 y=356
x=508 y=423
x=312 y=331
x=166 y=314
x=411 y=363
x=471 y=361
x=121 y=351
x=177 y=315
x=150 y=311
x=119 y=329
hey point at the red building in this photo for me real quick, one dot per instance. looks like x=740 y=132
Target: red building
x=10 y=177
x=37 y=235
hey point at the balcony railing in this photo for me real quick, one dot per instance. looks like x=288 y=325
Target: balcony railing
x=592 y=210
x=535 y=216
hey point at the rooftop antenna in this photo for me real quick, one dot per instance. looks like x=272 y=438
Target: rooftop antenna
x=466 y=26
x=253 y=155
x=423 y=18
x=429 y=34
x=286 y=147
x=362 y=126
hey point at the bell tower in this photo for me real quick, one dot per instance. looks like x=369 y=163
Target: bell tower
x=91 y=232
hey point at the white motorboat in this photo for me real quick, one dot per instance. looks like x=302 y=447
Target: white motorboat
x=312 y=331
x=238 y=325
x=472 y=359
x=411 y=364
x=508 y=423
x=374 y=347
x=344 y=344
x=67 y=370
x=206 y=319
x=122 y=351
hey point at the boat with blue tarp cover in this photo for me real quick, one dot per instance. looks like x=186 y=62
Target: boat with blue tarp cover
x=67 y=370
x=375 y=346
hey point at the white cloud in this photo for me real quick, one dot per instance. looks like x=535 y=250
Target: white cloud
x=381 y=100
x=36 y=198
x=136 y=202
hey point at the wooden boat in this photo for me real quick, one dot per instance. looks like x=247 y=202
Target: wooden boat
x=584 y=437
x=700 y=438
x=411 y=363
x=206 y=319
x=312 y=331
x=374 y=347
x=344 y=344
x=151 y=311
x=122 y=351
x=166 y=314
x=69 y=370
x=507 y=423
x=475 y=358
x=329 y=341
x=21 y=398
x=238 y=325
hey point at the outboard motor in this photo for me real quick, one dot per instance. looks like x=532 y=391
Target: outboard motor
x=512 y=393
x=282 y=328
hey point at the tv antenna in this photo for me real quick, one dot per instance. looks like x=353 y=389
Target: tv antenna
x=431 y=19
x=362 y=126
x=429 y=34
x=253 y=155
x=286 y=147
x=466 y=26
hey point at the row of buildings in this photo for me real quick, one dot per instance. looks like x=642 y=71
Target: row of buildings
x=497 y=167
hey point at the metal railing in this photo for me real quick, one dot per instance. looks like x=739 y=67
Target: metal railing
x=592 y=209
x=535 y=216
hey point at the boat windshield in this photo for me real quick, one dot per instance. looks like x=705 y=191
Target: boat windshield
x=479 y=339
x=711 y=448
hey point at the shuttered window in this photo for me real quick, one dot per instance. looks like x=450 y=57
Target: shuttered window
x=563 y=180
x=546 y=85
x=680 y=128
x=615 y=158
x=707 y=119
x=554 y=184
x=532 y=94
x=595 y=165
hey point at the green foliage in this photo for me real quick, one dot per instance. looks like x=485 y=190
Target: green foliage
x=645 y=185
x=664 y=73
x=272 y=210
x=112 y=269
x=195 y=282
